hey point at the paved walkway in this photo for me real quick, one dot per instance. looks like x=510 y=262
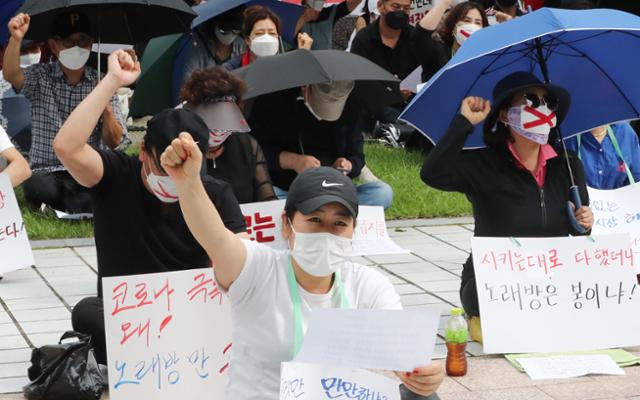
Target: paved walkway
x=35 y=307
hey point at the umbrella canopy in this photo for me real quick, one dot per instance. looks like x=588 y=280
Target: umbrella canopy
x=288 y=13
x=113 y=21
x=8 y=9
x=591 y=53
x=304 y=67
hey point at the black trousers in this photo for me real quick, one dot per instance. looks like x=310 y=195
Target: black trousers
x=58 y=190
x=88 y=317
x=468 y=290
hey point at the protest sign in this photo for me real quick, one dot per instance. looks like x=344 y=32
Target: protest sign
x=370 y=338
x=301 y=381
x=419 y=8
x=168 y=335
x=556 y=294
x=15 y=249
x=618 y=211
x=264 y=225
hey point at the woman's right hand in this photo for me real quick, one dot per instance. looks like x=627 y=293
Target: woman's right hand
x=182 y=159
x=475 y=109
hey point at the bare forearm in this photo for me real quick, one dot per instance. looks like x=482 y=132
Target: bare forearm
x=18 y=168
x=11 y=64
x=111 y=129
x=432 y=19
x=77 y=129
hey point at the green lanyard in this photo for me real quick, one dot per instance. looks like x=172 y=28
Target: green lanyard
x=297 y=308
x=614 y=141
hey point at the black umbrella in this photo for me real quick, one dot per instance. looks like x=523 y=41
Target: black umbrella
x=375 y=86
x=113 y=21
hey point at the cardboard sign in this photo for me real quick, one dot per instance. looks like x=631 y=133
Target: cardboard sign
x=556 y=294
x=301 y=381
x=617 y=211
x=264 y=225
x=168 y=335
x=15 y=250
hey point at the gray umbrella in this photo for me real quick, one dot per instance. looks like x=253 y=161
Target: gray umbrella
x=303 y=67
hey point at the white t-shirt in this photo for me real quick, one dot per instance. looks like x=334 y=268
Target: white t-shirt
x=262 y=314
x=5 y=143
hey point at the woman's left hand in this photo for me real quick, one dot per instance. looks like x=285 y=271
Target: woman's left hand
x=423 y=380
x=584 y=215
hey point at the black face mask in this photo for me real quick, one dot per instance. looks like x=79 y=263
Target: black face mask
x=396 y=19
x=506 y=3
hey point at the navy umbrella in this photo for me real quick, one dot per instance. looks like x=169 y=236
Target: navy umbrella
x=591 y=53
x=8 y=9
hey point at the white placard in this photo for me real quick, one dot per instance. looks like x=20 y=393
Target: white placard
x=394 y=340
x=264 y=225
x=569 y=366
x=15 y=250
x=617 y=211
x=412 y=81
x=419 y=8
x=168 y=335
x=301 y=381
x=556 y=294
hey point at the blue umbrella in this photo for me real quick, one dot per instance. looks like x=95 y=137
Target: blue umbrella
x=591 y=53
x=288 y=13
x=8 y=9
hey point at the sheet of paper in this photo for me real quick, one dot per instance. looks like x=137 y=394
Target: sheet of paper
x=558 y=367
x=301 y=381
x=396 y=340
x=72 y=217
x=15 y=249
x=621 y=357
x=618 y=211
x=412 y=81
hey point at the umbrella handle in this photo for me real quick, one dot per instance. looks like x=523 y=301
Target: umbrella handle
x=577 y=202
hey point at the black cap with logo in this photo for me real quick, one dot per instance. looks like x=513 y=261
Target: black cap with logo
x=71 y=22
x=316 y=187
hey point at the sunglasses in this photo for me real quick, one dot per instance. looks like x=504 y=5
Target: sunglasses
x=534 y=101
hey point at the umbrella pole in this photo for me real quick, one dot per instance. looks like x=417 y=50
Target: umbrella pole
x=573 y=190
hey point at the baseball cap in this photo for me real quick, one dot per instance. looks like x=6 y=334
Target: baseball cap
x=168 y=124
x=327 y=100
x=71 y=22
x=316 y=187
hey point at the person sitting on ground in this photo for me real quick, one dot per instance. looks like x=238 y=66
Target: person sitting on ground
x=54 y=90
x=610 y=155
x=138 y=225
x=449 y=34
x=318 y=21
x=262 y=33
x=214 y=42
x=234 y=156
x=518 y=185
x=311 y=126
x=266 y=286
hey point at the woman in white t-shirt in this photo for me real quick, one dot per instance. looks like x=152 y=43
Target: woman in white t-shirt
x=18 y=168
x=272 y=292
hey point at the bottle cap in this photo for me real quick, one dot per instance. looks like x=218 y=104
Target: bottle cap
x=456 y=311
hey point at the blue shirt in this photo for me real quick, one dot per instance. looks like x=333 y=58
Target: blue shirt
x=603 y=167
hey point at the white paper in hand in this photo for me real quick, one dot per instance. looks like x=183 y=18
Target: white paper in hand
x=395 y=340
x=557 y=367
x=301 y=381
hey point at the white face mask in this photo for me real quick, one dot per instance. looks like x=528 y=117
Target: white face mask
x=320 y=254
x=217 y=138
x=224 y=37
x=74 y=58
x=265 y=45
x=464 y=31
x=162 y=187
x=29 y=59
x=532 y=123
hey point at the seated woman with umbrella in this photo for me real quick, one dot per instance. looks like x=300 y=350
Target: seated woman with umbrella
x=517 y=185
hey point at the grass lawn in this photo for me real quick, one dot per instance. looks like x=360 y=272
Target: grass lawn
x=400 y=169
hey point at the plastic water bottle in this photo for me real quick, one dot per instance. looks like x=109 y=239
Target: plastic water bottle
x=456 y=335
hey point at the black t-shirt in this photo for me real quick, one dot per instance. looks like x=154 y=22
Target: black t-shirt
x=136 y=233
x=243 y=166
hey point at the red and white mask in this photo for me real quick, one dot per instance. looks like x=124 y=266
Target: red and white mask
x=464 y=31
x=532 y=123
x=216 y=138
